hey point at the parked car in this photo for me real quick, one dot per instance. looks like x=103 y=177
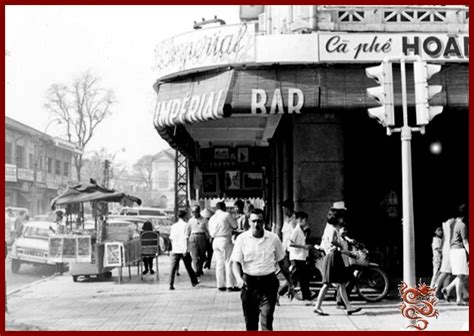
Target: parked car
x=32 y=246
x=158 y=217
x=17 y=210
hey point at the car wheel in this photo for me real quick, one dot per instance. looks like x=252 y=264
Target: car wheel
x=15 y=265
x=74 y=278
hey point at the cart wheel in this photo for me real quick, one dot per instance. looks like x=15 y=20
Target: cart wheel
x=74 y=278
x=107 y=275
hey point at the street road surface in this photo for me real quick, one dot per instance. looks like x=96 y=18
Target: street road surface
x=26 y=275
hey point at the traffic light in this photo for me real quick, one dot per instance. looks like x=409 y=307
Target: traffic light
x=383 y=94
x=424 y=92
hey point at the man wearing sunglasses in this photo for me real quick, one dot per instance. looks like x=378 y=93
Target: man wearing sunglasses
x=255 y=254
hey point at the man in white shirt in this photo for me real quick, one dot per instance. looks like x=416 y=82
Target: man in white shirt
x=255 y=255
x=179 y=235
x=289 y=222
x=298 y=250
x=221 y=227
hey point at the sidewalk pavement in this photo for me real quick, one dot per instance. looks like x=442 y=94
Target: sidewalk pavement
x=148 y=304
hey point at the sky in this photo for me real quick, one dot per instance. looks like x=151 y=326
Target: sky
x=53 y=44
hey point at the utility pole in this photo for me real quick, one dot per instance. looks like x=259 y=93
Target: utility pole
x=106 y=173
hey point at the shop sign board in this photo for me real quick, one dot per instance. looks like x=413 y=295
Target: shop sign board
x=192 y=101
x=368 y=47
x=222 y=45
x=10 y=173
x=113 y=254
x=260 y=100
x=25 y=174
x=40 y=177
x=51 y=182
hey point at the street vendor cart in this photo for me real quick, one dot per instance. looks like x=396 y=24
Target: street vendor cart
x=85 y=244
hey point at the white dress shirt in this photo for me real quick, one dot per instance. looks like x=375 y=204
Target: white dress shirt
x=297 y=237
x=258 y=256
x=221 y=224
x=179 y=234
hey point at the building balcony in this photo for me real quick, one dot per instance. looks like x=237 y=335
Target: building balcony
x=306 y=19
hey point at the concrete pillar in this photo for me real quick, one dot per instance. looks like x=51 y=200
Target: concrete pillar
x=318 y=165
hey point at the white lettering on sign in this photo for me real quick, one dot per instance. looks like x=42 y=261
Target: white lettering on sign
x=10 y=173
x=25 y=174
x=221 y=45
x=258 y=102
x=347 y=47
x=188 y=109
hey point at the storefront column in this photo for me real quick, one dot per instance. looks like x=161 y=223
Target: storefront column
x=318 y=165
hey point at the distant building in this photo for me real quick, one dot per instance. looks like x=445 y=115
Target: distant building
x=35 y=161
x=163 y=179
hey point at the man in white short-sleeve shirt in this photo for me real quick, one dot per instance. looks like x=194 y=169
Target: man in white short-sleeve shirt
x=254 y=258
x=298 y=250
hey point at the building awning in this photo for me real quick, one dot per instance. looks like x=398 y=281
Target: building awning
x=193 y=99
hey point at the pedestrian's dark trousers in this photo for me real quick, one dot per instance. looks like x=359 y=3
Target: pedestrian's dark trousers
x=198 y=247
x=300 y=275
x=209 y=252
x=175 y=258
x=258 y=300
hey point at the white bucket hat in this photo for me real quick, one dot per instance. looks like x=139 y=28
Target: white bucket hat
x=338 y=206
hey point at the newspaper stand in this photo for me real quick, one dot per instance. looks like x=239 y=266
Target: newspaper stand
x=102 y=256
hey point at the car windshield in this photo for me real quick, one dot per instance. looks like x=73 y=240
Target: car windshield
x=36 y=232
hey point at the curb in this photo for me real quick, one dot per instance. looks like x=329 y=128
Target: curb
x=31 y=284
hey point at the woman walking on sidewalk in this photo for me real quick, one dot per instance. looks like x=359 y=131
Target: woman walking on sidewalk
x=334 y=270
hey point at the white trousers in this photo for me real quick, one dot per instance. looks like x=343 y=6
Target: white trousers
x=222 y=251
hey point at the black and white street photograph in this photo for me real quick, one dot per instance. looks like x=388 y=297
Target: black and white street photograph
x=237 y=168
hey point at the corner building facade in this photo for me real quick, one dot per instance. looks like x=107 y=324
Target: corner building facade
x=276 y=108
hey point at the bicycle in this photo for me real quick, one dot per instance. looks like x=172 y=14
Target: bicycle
x=369 y=280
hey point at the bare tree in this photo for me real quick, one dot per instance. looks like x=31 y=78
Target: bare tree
x=80 y=107
x=144 y=168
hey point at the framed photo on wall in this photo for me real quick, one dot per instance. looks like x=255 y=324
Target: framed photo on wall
x=252 y=180
x=232 y=179
x=221 y=153
x=210 y=183
x=242 y=154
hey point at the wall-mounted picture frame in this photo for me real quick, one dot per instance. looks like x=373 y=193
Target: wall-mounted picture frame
x=210 y=183
x=242 y=154
x=221 y=153
x=252 y=180
x=232 y=179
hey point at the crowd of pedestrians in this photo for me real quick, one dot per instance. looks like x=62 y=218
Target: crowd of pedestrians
x=248 y=257
x=450 y=247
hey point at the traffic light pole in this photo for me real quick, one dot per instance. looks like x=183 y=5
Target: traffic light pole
x=407 y=190
x=385 y=114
